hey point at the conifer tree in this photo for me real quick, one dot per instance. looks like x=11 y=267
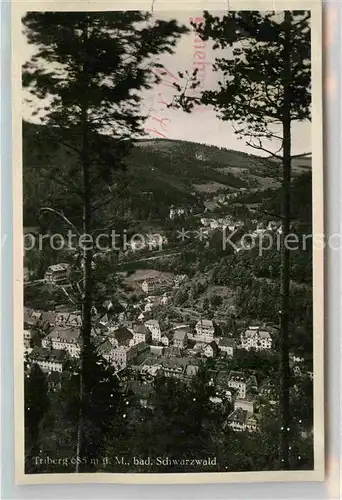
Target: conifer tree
x=88 y=72
x=264 y=63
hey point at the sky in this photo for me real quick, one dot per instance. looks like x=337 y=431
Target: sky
x=202 y=125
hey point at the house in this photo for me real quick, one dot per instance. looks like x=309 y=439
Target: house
x=171 y=351
x=180 y=338
x=252 y=423
x=205 y=330
x=227 y=346
x=141 y=333
x=211 y=350
x=27 y=338
x=241 y=420
x=149 y=280
x=64 y=338
x=61 y=318
x=122 y=337
x=150 y=285
x=74 y=320
x=154 y=327
x=48 y=360
x=242 y=383
x=120 y=356
x=40 y=319
x=174 y=367
x=246 y=404
x=150 y=368
x=30 y=318
x=237 y=420
x=176 y=212
x=58 y=273
x=255 y=338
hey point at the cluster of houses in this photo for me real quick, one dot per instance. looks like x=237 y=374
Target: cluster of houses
x=148 y=348
x=237 y=388
x=230 y=224
x=151 y=281
x=122 y=342
x=221 y=223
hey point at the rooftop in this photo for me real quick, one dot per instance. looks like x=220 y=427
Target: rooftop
x=63 y=266
x=54 y=355
x=208 y=323
x=237 y=376
x=140 y=328
x=152 y=322
x=64 y=333
x=239 y=415
x=123 y=336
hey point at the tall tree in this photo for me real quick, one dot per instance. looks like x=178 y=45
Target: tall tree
x=264 y=61
x=88 y=71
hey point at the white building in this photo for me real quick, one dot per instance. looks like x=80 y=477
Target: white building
x=154 y=327
x=141 y=333
x=247 y=404
x=180 y=338
x=242 y=383
x=48 y=360
x=241 y=420
x=27 y=338
x=176 y=212
x=63 y=338
x=255 y=338
x=205 y=331
x=58 y=273
x=227 y=346
x=120 y=356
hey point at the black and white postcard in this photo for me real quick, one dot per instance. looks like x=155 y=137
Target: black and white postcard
x=168 y=235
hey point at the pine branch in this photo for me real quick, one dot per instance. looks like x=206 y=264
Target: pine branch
x=261 y=148
x=61 y=215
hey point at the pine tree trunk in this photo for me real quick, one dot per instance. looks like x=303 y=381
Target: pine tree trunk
x=285 y=257
x=87 y=272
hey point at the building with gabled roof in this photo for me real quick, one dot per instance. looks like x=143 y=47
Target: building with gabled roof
x=256 y=338
x=154 y=327
x=141 y=333
x=205 y=331
x=64 y=338
x=227 y=346
x=57 y=273
x=180 y=339
x=48 y=360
